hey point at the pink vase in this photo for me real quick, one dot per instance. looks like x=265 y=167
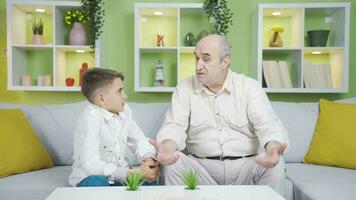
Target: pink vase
x=77 y=35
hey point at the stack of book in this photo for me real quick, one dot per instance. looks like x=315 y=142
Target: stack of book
x=317 y=75
x=276 y=74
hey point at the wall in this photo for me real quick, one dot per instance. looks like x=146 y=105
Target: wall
x=118 y=52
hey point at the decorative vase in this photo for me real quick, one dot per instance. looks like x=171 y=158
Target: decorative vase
x=77 y=35
x=189 y=39
x=83 y=69
x=318 y=38
x=37 y=39
x=276 y=40
x=202 y=34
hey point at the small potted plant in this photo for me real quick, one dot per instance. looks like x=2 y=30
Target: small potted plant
x=77 y=35
x=276 y=40
x=133 y=181
x=37 y=30
x=190 y=180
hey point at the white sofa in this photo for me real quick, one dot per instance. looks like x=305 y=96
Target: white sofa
x=55 y=125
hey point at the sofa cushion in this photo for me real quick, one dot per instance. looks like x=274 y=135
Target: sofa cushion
x=20 y=148
x=334 y=137
x=299 y=120
x=321 y=182
x=35 y=184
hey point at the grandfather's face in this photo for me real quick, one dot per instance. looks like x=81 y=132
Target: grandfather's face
x=208 y=64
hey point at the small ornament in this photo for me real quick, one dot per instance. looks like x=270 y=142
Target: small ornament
x=81 y=72
x=159 y=79
x=159 y=40
x=189 y=39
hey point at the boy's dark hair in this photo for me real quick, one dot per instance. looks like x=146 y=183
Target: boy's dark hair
x=96 y=78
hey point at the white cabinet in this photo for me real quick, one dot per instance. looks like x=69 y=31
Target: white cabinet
x=54 y=59
x=174 y=22
x=309 y=67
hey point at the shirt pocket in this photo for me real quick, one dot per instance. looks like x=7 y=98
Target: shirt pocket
x=241 y=124
x=198 y=121
x=106 y=151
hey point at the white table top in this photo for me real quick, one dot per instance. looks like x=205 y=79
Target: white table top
x=209 y=192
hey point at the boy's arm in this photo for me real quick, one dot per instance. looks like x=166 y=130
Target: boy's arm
x=137 y=141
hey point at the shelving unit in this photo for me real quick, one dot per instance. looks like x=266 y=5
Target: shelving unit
x=297 y=19
x=55 y=58
x=173 y=21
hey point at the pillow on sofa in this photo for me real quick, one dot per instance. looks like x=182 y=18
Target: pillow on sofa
x=20 y=148
x=334 y=138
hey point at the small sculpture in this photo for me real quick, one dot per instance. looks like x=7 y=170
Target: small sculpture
x=159 y=78
x=159 y=40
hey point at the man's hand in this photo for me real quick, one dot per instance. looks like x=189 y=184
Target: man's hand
x=149 y=170
x=273 y=151
x=166 y=154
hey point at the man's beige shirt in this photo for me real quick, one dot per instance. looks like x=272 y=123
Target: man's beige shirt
x=235 y=121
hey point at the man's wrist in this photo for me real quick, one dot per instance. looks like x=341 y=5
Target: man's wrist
x=170 y=145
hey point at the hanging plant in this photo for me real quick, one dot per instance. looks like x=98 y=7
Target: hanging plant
x=217 y=11
x=95 y=12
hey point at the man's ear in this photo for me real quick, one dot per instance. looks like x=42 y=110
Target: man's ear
x=226 y=61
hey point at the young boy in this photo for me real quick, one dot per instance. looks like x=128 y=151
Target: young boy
x=104 y=130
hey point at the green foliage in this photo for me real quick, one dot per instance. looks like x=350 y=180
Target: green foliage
x=190 y=180
x=133 y=181
x=75 y=16
x=217 y=9
x=37 y=27
x=95 y=11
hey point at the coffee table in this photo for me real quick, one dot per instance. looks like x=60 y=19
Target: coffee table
x=209 y=192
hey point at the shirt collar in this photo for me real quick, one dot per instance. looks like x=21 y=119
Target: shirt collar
x=106 y=114
x=228 y=86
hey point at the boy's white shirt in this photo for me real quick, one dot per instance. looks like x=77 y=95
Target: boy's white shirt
x=100 y=141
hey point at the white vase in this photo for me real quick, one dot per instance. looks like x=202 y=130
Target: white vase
x=37 y=39
x=77 y=35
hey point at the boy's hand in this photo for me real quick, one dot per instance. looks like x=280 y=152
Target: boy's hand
x=149 y=170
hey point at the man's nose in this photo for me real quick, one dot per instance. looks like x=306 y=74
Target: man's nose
x=199 y=65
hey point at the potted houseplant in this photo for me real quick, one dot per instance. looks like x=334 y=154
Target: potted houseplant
x=218 y=13
x=77 y=34
x=37 y=30
x=190 y=179
x=95 y=12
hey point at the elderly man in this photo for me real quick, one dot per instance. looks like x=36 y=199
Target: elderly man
x=222 y=118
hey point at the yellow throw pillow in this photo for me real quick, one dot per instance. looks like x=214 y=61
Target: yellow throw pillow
x=334 y=140
x=20 y=148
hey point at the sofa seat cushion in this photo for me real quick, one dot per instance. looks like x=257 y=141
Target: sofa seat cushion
x=35 y=184
x=321 y=182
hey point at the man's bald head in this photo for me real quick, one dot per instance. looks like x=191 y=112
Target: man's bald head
x=223 y=44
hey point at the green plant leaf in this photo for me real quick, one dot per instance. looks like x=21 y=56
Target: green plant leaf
x=190 y=179
x=133 y=181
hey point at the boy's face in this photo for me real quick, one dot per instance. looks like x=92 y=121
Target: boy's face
x=114 y=97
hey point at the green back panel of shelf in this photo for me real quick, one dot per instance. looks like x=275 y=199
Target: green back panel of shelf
x=318 y=59
x=316 y=23
x=285 y=22
x=186 y=65
x=39 y=63
x=74 y=62
x=47 y=28
x=194 y=24
x=294 y=69
x=152 y=26
x=148 y=68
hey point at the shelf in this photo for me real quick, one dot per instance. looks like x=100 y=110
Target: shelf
x=189 y=19
x=68 y=63
x=23 y=16
x=177 y=58
x=311 y=69
x=164 y=22
x=52 y=61
x=31 y=61
x=148 y=68
x=290 y=19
